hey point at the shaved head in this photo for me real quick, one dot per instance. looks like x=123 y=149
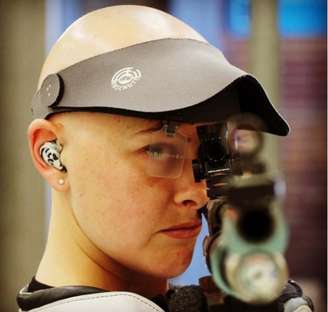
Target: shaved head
x=110 y=29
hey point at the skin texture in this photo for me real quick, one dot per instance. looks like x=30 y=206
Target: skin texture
x=107 y=217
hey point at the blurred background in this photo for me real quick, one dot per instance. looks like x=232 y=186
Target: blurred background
x=282 y=42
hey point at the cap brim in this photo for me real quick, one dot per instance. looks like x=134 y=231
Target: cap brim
x=179 y=79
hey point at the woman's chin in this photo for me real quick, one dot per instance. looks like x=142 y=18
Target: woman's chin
x=174 y=266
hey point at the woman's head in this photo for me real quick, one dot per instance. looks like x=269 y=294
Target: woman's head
x=115 y=204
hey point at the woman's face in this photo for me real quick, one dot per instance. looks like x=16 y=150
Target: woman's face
x=148 y=224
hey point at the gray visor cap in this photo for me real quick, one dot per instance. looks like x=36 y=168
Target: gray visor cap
x=181 y=80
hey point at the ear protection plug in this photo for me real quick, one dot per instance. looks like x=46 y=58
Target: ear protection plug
x=50 y=153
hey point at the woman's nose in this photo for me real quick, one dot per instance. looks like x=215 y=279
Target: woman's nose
x=189 y=193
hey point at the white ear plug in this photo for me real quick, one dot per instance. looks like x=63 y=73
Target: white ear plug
x=50 y=153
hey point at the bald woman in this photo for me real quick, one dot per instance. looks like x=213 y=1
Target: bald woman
x=125 y=205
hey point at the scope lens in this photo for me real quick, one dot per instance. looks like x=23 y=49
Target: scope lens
x=245 y=135
x=245 y=142
x=257 y=277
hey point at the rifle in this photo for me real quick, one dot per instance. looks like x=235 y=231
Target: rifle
x=247 y=231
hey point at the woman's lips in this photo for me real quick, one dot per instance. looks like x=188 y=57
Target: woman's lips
x=183 y=230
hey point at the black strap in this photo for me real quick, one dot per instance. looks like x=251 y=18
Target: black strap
x=35 y=285
x=37 y=294
x=31 y=300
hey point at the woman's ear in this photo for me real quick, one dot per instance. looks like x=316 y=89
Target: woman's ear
x=40 y=132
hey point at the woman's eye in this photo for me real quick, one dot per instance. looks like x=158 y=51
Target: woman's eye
x=163 y=151
x=155 y=153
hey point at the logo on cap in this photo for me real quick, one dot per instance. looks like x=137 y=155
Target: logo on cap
x=125 y=78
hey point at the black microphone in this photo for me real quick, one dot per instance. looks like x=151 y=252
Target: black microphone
x=188 y=299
